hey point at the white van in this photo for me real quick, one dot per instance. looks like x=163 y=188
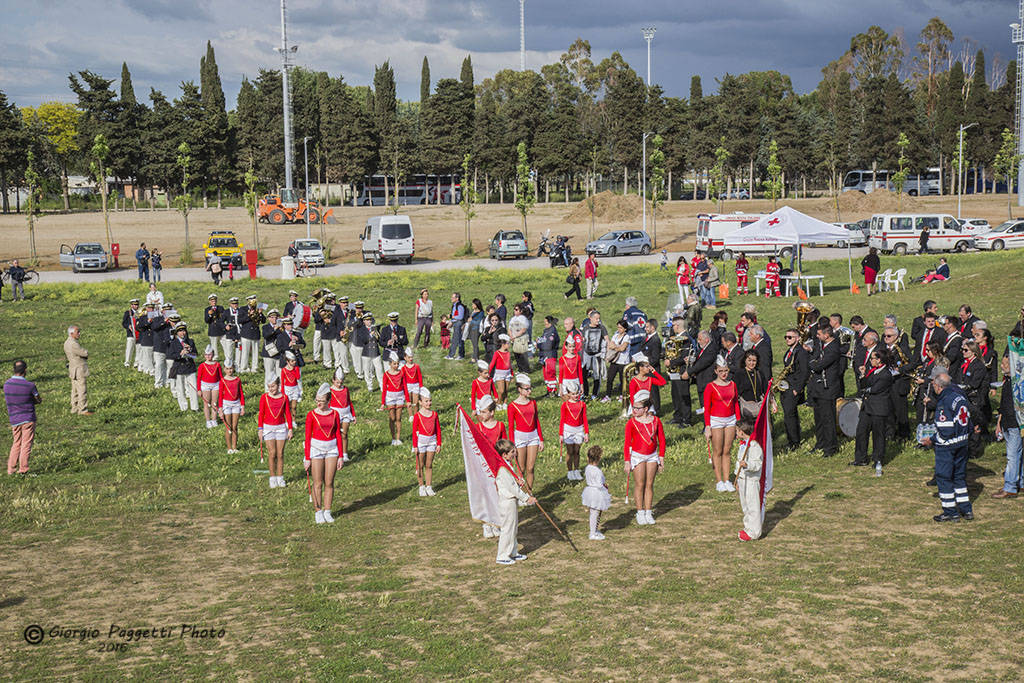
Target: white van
x=712 y=229
x=898 y=233
x=388 y=238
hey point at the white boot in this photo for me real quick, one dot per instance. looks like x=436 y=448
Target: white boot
x=328 y=517
x=273 y=482
x=423 y=491
x=641 y=519
x=318 y=517
x=650 y=516
x=430 y=490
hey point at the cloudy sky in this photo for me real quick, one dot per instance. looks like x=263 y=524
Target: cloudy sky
x=162 y=40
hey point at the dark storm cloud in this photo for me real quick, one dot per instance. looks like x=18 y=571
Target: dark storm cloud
x=182 y=10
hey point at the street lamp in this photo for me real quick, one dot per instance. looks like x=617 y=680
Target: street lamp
x=305 y=154
x=643 y=185
x=960 y=169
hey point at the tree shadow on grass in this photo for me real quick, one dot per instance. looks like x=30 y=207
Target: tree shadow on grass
x=454 y=479
x=380 y=498
x=669 y=502
x=536 y=531
x=781 y=510
x=12 y=601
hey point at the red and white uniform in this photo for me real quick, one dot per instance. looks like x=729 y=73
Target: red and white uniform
x=291 y=382
x=721 y=405
x=549 y=372
x=742 y=267
x=683 y=274
x=323 y=435
x=644 y=384
x=393 y=390
x=524 y=424
x=644 y=442
x=575 y=335
x=275 y=417
x=342 y=404
x=501 y=365
x=481 y=388
x=492 y=434
x=426 y=432
x=208 y=375
x=230 y=397
x=570 y=368
x=413 y=377
x=572 y=424
x=771 y=278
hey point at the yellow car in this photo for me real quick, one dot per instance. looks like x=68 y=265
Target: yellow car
x=224 y=244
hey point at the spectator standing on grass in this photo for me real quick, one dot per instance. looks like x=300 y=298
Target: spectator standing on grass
x=869 y=266
x=711 y=282
x=78 y=370
x=21 y=397
x=142 y=259
x=590 y=274
x=458 y=318
x=1007 y=428
x=424 y=316
x=158 y=267
x=500 y=310
x=476 y=325
x=17 y=275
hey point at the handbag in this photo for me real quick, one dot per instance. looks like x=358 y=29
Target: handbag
x=569 y=279
x=271 y=349
x=749 y=408
x=520 y=344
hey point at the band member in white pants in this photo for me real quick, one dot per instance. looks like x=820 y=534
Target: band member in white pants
x=130 y=324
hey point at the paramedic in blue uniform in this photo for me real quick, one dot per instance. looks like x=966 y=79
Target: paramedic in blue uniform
x=952 y=428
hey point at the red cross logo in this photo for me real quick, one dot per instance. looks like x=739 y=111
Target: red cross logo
x=774 y=221
x=962 y=416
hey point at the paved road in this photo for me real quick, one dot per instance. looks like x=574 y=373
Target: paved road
x=274 y=272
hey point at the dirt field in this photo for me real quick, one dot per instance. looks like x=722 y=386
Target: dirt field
x=439 y=230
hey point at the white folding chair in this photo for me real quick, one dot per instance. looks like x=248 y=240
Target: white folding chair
x=897 y=279
x=883 y=279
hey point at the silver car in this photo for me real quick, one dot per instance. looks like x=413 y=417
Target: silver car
x=507 y=244
x=85 y=256
x=619 y=242
x=310 y=252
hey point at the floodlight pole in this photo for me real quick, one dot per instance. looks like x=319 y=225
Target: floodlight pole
x=286 y=63
x=960 y=170
x=1017 y=38
x=305 y=154
x=643 y=173
x=649 y=36
x=522 y=35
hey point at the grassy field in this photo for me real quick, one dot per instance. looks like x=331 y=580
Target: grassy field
x=137 y=518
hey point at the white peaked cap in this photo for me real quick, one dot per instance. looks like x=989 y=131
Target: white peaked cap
x=482 y=365
x=524 y=379
x=339 y=373
x=324 y=390
x=484 y=402
x=424 y=392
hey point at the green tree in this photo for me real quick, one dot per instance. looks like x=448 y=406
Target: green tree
x=527 y=194
x=656 y=160
x=98 y=165
x=161 y=130
x=216 y=136
x=717 y=176
x=184 y=201
x=13 y=146
x=60 y=126
x=385 y=115
x=127 y=161
x=35 y=195
x=1006 y=162
x=899 y=178
x=469 y=200
x=773 y=183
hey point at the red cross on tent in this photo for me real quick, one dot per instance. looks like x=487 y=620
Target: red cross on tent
x=774 y=221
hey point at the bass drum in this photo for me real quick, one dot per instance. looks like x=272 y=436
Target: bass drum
x=848 y=415
x=301 y=318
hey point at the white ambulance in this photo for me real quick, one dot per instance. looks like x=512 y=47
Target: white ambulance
x=900 y=233
x=712 y=229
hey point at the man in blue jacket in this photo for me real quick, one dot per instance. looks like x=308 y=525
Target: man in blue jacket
x=142 y=258
x=952 y=429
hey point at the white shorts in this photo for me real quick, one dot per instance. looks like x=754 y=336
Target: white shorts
x=414 y=390
x=524 y=439
x=294 y=393
x=394 y=398
x=209 y=386
x=345 y=414
x=572 y=435
x=426 y=443
x=639 y=458
x=232 y=407
x=722 y=422
x=502 y=375
x=319 y=450
x=275 y=432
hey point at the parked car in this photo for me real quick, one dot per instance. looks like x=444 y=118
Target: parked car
x=388 y=238
x=1009 y=235
x=858 y=236
x=224 y=244
x=976 y=225
x=85 y=256
x=688 y=194
x=740 y=193
x=310 y=252
x=619 y=242
x=507 y=244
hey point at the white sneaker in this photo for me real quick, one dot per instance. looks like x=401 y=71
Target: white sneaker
x=506 y=561
x=699 y=411
x=597 y=536
x=423 y=491
x=398 y=442
x=569 y=475
x=718 y=487
x=650 y=516
x=273 y=482
x=318 y=517
x=729 y=487
x=641 y=518
x=280 y=483
x=328 y=517
x=411 y=417
x=430 y=491
x=392 y=442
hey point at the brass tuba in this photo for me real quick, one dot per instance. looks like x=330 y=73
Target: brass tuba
x=803 y=311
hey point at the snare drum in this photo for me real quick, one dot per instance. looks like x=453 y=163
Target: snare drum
x=848 y=415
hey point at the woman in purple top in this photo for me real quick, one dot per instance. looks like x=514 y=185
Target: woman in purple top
x=22 y=397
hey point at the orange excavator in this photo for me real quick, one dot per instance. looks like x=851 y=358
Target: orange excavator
x=289 y=207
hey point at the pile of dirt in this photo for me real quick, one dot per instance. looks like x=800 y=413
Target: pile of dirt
x=879 y=201
x=609 y=207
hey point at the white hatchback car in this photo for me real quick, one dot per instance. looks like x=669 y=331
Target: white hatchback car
x=975 y=225
x=310 y=252
x=1009 y=235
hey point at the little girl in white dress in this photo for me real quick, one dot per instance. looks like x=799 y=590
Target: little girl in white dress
x=595 y=494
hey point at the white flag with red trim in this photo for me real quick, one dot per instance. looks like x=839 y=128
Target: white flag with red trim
x=482 y=465
x=763 y=435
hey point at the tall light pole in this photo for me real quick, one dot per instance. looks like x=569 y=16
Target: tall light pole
x=649 y=36
x=643 y=185
x=286 y=63
x=960 y=170
x=522 y=35
x=305 y=155
x=1017 y=37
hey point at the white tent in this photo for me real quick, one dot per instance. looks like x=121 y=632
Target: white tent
x=789 y=226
